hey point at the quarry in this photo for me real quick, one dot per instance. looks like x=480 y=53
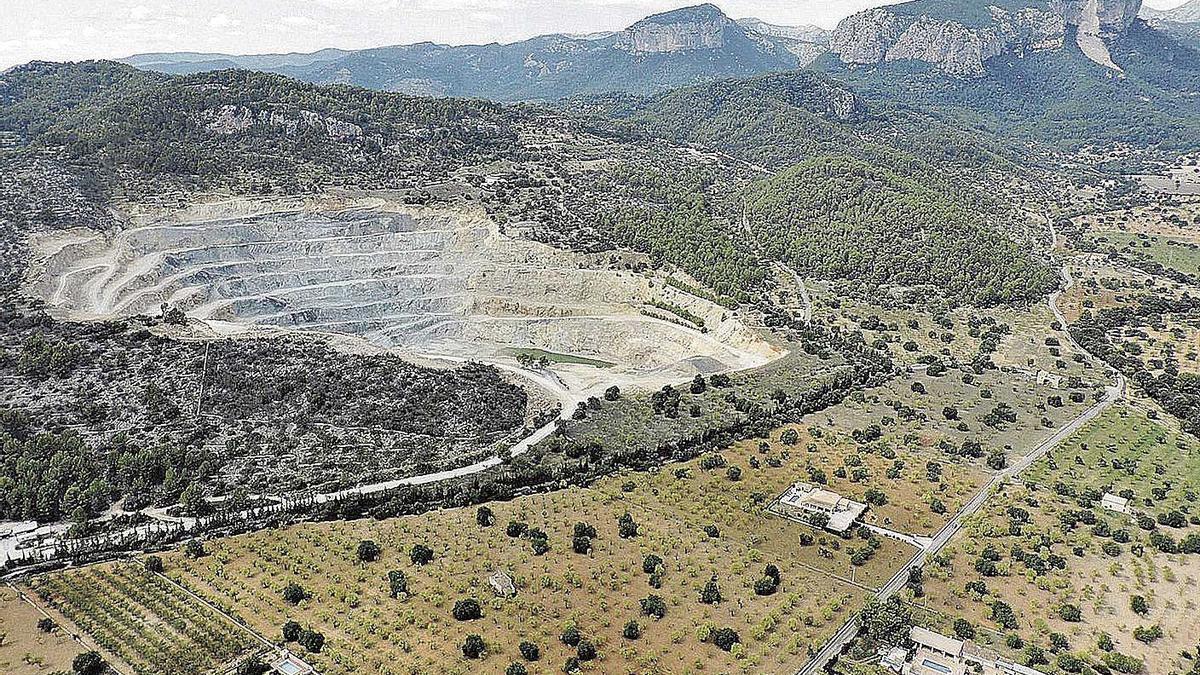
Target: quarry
x=438 y=286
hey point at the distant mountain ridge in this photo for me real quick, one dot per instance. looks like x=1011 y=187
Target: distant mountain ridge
x=684 y=46
x=960 y=37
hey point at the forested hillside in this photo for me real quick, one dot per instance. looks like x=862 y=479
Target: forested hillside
x=839 y=217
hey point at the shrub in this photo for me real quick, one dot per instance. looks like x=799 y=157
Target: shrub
x=397 y=583
x=291 y=631
x=420 y=554
x=572 y=665
x=571 y=636
x=1139 y=606
x=626 y=526
x=368 y=551
x=154 y=564
x=473 y=647
x=632 y=631
x=963 y=629
x=516 y=529
x=586 y=651
x=650 y=563
x=194 y=549
x=88 y=663
x=484 y=517
x=725 y=638
x=294 y=593
x=1071 y=613
x=46 y=625
x=1147 y=634
x=1123 y=663
x=467 y=609
x=653 y=605
x=311 y=640
x=585 y=530
x=711 y=594
x=581 y=545
x=516 y=668
x=529 y=651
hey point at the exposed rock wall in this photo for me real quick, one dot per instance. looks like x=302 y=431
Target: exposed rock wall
x=960 y=49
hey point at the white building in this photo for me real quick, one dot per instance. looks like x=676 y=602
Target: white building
x=1114 y=503
x=804 y=499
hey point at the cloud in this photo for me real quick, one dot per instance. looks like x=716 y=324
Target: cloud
x=220 y=21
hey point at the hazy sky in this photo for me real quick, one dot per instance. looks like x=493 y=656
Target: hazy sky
x=63 y=30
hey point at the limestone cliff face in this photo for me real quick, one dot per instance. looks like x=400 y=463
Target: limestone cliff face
x=701 y=27
x=961 y=46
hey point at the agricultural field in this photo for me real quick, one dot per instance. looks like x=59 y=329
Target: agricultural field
x=26 y=649
x=147 y=623
x=1045 y=549
x=1124 y=449
x=1176 y=254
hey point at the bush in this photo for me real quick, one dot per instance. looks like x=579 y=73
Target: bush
x=571 y=636
x=711 y=594
x=1123 y=663
x=1139 y=606
x=586 y=651
x=294 y=593
x=88 y=663
x=154 y=564
x=626 y=526
x=473 y=647
x=420 y=554
x=368 y=551
x=650 y=563
x=1147 y=634
x=584 y=530
x=516 y=529
x=572 y=665
x=516 y=668
x=529 y=651
x=194 y=549
x=46 y=625
x=581 y=545
x=397 y=583
x=632 y=631
x=963 y=629
x=653 y=605
x=467 y=610
x=311 y=640
x=484 y=517
x=291 y=631
x=1070 y=613
x=725 y=638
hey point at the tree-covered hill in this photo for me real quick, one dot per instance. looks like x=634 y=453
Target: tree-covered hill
x=840 y=217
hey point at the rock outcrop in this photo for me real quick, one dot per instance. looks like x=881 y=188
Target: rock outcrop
x=700 y=27
x=960 y=44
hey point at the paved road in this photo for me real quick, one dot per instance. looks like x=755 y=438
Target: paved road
x=840 y=640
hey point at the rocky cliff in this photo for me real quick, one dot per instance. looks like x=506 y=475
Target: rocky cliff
x=961 y=40
x=700 y=27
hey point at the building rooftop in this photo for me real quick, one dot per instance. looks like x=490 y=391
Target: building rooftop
x=936 y=641
x=842 y=512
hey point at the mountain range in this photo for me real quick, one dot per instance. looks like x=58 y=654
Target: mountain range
x=680 y=47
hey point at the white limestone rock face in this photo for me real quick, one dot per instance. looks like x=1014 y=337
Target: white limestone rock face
x=962 y=48
x=653 y=38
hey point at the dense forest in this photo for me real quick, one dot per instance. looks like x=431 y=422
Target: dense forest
x=837 y=217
